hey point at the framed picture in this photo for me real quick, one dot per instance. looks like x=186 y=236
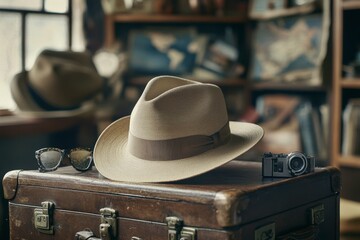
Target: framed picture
x=162 y=51
x=289 y=49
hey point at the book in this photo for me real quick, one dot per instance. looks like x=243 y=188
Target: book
x=311 y=132
x=351 y=128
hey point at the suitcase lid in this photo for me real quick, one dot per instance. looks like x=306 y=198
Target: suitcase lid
x=231 y=195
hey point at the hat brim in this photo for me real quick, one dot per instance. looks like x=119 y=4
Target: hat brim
x=113 y=161
x=27 y=107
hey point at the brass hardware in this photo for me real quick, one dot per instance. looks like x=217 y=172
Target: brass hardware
x=266 y=232
x=105 y=233
x=318 y=214
x=108 y=225
x=43 y=217
x=176 y=230
x=188 y=233
x=174 y=224
x=86 y=234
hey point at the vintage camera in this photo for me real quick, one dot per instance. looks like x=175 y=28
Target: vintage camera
x=287 y=165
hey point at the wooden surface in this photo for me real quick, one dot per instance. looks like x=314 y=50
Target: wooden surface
x=173 y=18
x=18 y=126
x=288 y=87
x=229 y=82
x=111 y=20
x=337 y=92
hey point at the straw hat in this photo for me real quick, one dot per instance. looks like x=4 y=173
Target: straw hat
x=59 y=83
x=177 y=129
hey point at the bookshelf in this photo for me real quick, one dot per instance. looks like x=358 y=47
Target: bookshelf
x=343 y=88
x=115 y=23
x=228 y=82
x=287 y=87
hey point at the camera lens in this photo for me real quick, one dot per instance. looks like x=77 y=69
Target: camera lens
x=297 y=163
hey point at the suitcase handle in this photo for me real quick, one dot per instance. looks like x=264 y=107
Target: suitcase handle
x=307 y=233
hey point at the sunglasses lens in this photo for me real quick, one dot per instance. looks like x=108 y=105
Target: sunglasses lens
x=50 y=159
x=81 y=158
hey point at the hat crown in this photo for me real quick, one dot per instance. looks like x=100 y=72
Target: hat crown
x=172 y=107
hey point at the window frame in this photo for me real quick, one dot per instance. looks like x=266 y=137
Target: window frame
x=42 y=11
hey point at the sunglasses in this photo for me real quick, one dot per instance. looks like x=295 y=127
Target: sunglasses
x=49 y=159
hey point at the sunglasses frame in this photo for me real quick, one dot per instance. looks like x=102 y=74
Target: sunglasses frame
x=63 y=152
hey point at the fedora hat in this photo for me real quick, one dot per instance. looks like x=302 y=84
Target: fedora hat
x=59 y=83
x=178 y=129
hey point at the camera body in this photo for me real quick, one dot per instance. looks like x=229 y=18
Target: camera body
x=287 y=165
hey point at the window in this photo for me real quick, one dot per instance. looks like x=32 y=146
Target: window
x=28 y=27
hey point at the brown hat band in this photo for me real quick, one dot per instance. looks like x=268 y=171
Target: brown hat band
x=177 y=148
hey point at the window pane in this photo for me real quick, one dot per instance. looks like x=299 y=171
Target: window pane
x=22 y=4
x=10 y=52
x=43 y=31
x=56 y=6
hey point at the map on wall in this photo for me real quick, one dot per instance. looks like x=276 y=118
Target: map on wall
x=162 y=52
x=289 y=49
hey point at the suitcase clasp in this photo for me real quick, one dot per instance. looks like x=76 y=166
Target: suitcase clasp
x=188 y=233
x=318 y=214
x=176 y=231
x=174 y=226
x=266 y=232
x=108 y=226
x=43 y=217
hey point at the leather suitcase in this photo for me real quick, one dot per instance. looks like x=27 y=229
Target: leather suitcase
x=231 y=202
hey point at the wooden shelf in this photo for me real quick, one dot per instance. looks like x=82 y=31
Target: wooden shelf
x=143 y=18
x=286 y=87
x=283 y=12
x=11 y=126
x=350 y=161
x=229 y=82
x=351 y=4
x=112 y=19
x=350 y=83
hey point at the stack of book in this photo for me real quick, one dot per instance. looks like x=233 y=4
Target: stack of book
x=292 y=124
x=311 y=131
x=351 y=126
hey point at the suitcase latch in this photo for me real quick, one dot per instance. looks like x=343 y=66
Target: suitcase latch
x=188 y=233
x=266 y=232
x=108 y=225
x=317 y=214
x=176 y=231
x=43 y=217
